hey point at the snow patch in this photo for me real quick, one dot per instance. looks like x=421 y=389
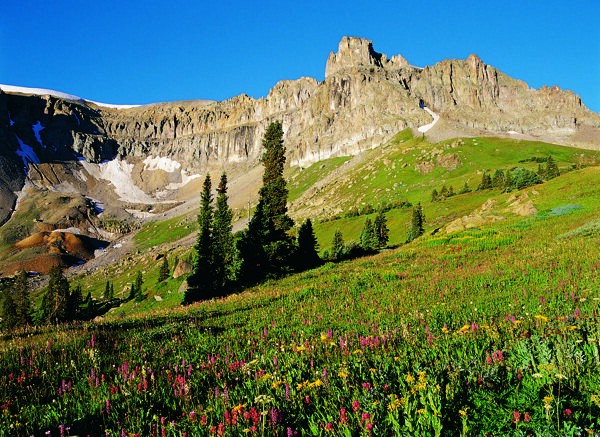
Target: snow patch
x=512 y=132
x=45 y=92
x=75 y=231
x=10 y=120
x=27 y=154
x=161 y=163
x=36 y=130
x=118 y=173
x=426 y=127
x=139 y=214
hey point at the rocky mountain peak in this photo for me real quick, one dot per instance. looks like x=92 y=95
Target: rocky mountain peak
x=354 y=52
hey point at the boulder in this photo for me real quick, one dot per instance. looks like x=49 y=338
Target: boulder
x=182 y=268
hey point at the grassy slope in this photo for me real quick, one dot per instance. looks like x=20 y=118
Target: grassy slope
x=371 y=325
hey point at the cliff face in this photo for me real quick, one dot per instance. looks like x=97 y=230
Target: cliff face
x=364 y=100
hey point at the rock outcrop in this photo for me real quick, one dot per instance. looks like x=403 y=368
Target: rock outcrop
x=365 y=99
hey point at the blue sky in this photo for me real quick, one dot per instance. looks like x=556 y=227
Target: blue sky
x=134 y=52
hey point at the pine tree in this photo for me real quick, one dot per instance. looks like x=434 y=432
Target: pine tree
x=465 y=189
x=57 y=294
x=416 y=225
x=112 y=291
x=106 y=294
x=498 y=180
x=444 y=192
x=201 y=283
x=163 y=272
x=74 y=303
x=551 y=170
x=274 y=192
x=270 y=223
x=367 y=235
x=132 y=291
x=139 y=281
x=508 y=181
x=380 y=229
x=450 y=191
x=307 y=252
x=224 y=249
x=337 y=245
x=9 y=310
x=486 y=182
x=22 y=300
x=435 y=197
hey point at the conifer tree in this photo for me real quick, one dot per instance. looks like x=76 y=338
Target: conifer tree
x=139 y=281
x=201 y=283
x=416 y=225
x=444 y=192
x=106 y=294
x=307 y=253
x=450 y=191
x=270 y=223
x=57 y=294
x=224 y=249
x=163 y=272
x=74 y=303
x=380 y=229
x=498 y=180
x=22 y=300
x=112 y=291
x=9 y=310
x=274 y=191
x=551 y=171
x=367 y=235
x=435 y=197
x=465 y=189
x=337 y=245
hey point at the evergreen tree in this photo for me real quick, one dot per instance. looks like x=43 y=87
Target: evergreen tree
x=22 y=300
x=251 y=247
x=444 y=192
x=435 y=197
x=498 y=179
x=416 y=225
x=380 y=229
x=337 y=245
x=106 y=294
x=201 y=283
x=307 y=252
x=450 y=191
x=163 y=272
x=274 y=192
x=74 y=303
x=367 y=235
x=224 y=248
x=270 y=223
x=508 y=181
x=465 y=189
x=57 y=294
x=132 y=291
x=551 y=170
x=112 y=291
x=9 y=310
x=486 y=182
x=139 y=281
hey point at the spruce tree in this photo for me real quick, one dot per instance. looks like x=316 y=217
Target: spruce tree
x=106 y=294
x=224 y=249
x=163 y=272
x=465 y=189
x=367 y=235
x=270 y=223
x=435 y=197
x=112 y=291
x=551 y=170
x=274 y=192
x=443 y=192
x=22 y=300
x=337 y=245
x=57 y=294
x=201 y=283
x=9 y=310
x=74 y=303
x=307 y=253
x=139 y=281
x=416 y=225
x=380 y=229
